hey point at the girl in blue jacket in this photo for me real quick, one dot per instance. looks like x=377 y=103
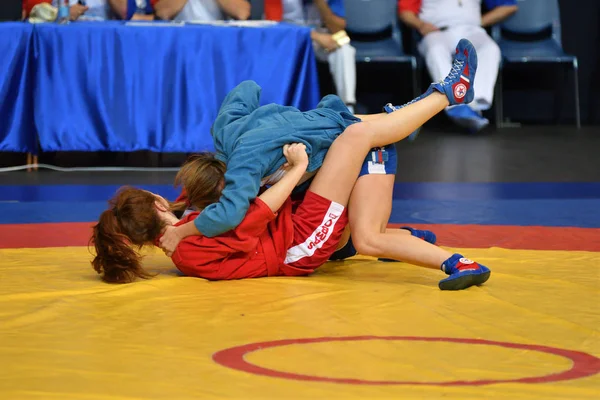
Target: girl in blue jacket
x=249 y=140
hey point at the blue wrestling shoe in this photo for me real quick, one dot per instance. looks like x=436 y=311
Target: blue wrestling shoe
x=464 y=116
x=458 y=85
x=463 y=273
x=427 y=236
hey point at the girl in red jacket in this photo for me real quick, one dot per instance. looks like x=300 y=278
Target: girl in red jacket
x=275 y=237
x=370 y=201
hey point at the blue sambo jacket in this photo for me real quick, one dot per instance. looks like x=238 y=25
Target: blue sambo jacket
x=249 y=138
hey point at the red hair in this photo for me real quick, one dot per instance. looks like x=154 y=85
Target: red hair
x=131 y=220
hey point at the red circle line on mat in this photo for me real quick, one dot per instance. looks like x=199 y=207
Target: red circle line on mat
x=583 y=364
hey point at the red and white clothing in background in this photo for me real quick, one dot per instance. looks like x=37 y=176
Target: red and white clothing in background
x=459 y=19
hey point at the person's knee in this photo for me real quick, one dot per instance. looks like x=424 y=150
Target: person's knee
x=358 y=135
x=431 y=44
x=436 y=59
x=489 y=51
x=495 y=54
x=365 y=242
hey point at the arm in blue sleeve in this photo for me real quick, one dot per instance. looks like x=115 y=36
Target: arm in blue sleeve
x=491 y=4
x=498 y=11
x=242 y=183
x=337 y=7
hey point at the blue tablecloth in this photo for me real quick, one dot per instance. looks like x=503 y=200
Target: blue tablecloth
x=17 y=132
x=108 y=86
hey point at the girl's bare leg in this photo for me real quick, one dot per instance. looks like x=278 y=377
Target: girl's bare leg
x=368 y=117
x=368 y=225
x=391 y=128
x=334 y=180
x=368 y=222
x=344 y=159
x=396 y=231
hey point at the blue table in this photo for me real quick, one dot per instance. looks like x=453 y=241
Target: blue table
x=17 y=131
x=108 y=86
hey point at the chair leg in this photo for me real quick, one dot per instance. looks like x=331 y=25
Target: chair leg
x=576 y=79
x=558 y=98
x=415 y=83
x=499 y=101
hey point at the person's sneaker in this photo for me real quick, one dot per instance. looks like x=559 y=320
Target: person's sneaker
x=463 y=273
x=390 y=108
x=427 y=236
x=464 y=116
x=458 y=85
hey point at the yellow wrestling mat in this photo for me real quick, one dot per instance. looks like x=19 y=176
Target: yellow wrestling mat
x=356 y=330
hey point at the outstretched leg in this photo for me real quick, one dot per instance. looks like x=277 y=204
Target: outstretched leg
x=368 y=223
x=344 y=159
x=338 y=174
x=343 y=162
x=369 y=211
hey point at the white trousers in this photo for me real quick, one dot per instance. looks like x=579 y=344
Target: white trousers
x=439 y=47
x=342 y=65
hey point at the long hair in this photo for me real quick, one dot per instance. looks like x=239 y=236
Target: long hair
x=130 y=221
x=202 y=176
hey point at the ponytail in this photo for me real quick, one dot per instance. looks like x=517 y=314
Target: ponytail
x=115 y=260
x=131 y=221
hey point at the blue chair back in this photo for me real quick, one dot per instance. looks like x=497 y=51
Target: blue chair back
x=370 y=16
x=535 y=16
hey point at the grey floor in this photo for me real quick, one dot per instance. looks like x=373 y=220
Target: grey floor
x=527 y=154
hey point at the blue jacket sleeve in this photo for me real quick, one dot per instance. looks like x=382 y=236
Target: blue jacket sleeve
x=242 y=183
x=337 y=7
x=491 y=4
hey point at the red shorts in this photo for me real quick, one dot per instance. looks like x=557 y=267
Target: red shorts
x=318 y=227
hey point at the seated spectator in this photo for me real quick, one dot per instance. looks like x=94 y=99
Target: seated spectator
x=133 y=9
x=441 y=24
x=201 y=10
x=99 y=9
x=327 y=19
x=78 y=9
x=88 y=9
